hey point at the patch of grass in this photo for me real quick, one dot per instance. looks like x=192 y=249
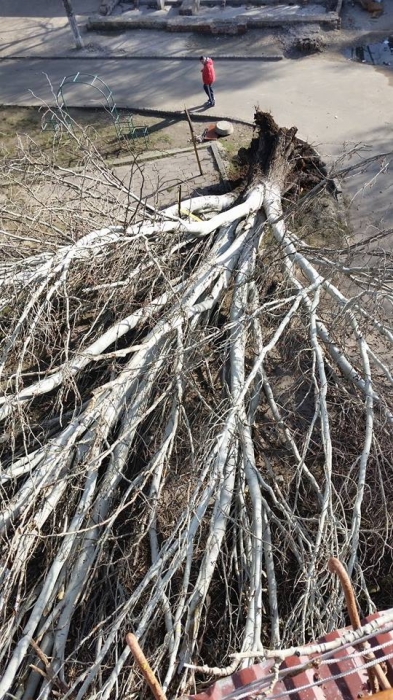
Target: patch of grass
x=24 y=124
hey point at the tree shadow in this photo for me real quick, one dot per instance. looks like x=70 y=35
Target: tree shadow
x=164 y=124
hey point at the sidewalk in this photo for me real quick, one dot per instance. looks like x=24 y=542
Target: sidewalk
x=51 y=38
x=159 y=180
x=40 y=29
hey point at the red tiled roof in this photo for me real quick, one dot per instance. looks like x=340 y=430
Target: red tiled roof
x=325 y=683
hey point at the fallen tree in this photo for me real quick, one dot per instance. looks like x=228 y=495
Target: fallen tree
x=196 y=414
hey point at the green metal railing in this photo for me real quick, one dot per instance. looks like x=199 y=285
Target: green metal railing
x=57 y=118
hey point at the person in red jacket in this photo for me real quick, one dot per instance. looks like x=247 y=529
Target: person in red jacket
x=208 y=78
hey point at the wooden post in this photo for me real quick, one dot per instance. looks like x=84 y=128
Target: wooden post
x=193 y=140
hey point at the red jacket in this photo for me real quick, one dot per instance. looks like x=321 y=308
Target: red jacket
x=208 y=74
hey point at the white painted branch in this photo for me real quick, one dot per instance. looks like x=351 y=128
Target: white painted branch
x=272 y=204
x=200 y=204
x=84 y=357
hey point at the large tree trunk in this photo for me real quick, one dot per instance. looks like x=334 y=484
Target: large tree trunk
x=196 y=415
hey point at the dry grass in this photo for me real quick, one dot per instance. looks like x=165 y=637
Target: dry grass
x=165 y=133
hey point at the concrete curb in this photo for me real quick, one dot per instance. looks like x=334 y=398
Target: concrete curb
x=161 y=155
x=157 y=155
x=154 y=155
x=142 y=57
x=219 y=161
x=209 y=25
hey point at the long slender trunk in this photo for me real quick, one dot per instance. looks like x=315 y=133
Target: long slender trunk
x=74 y=27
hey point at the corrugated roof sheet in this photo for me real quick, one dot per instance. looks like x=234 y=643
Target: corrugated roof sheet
x=325 y=684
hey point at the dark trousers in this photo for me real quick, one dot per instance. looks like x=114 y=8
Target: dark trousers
x=209 y=92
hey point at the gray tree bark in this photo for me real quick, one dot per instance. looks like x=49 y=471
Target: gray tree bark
x=74 y=27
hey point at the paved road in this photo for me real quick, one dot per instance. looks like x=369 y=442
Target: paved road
x=333 y=102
